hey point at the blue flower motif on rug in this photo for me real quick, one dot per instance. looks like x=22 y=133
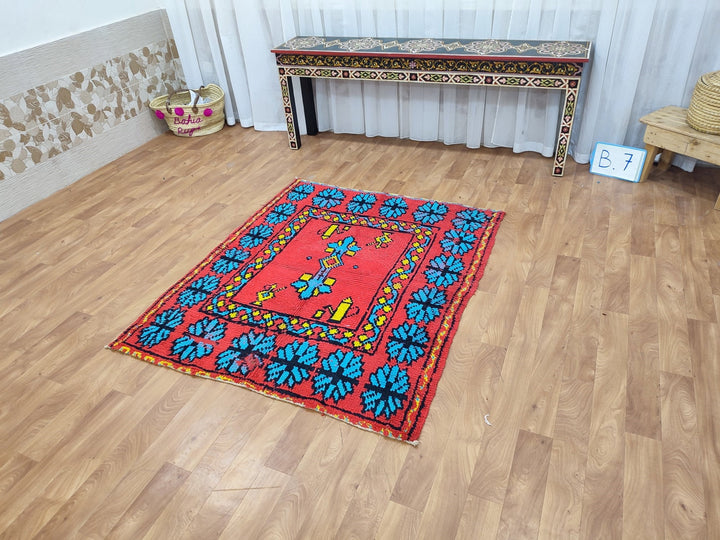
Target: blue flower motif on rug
x=280 y=213
x=255 y=236
x=444 y=270
x=426 y=304
x=361 y=203
x=298 y=193
x=386 y=391
x=290 y=367
x=328 y=198
x=431 y=212
x=198 y=291
x=247 y=352
x=406 y=343
x=393 y=208
x=230 y=260
x=457 y=242
x=197 y=342
x=470 y=219
x=161 y=328
x=338 y=375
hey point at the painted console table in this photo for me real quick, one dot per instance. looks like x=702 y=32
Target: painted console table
x=555 y=65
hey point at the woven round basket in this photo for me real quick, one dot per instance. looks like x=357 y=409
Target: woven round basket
x=704 y=111
x=187 y=119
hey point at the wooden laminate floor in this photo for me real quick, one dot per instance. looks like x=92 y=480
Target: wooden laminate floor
x=593 y=344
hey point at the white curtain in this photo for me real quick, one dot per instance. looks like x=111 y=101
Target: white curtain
x=646 y=54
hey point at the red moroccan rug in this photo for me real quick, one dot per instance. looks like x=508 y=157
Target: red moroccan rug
x=337 y=300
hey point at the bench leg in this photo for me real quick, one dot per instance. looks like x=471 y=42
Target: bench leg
x=290 y=110
x=306 y=89
x=566 y=124
x=652 y=151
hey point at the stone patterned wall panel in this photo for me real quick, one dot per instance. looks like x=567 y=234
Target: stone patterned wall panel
x=49 y=119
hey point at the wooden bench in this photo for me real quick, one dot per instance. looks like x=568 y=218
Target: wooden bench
x=668 y=133
x=551 y=65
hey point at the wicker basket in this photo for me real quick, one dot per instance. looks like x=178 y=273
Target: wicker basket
x=186 y=120
x=704 y=111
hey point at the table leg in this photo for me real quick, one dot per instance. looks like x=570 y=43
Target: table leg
x=652 y=151
x=566 y=123
x=290 y=110
x=306 y=89
x=665 y=160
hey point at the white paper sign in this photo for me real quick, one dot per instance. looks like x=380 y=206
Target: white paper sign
x=623 y=162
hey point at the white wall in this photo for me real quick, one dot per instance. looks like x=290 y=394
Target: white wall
x=27 y=23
